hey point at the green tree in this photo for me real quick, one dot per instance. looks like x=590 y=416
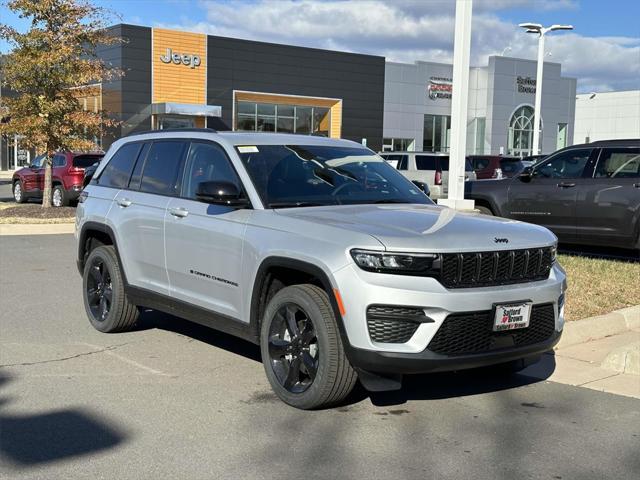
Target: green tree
x=47 y=69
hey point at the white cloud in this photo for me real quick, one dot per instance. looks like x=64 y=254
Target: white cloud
x=409 y=30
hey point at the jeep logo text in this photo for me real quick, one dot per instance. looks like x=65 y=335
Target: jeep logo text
x=501 y=240
x=192 y=61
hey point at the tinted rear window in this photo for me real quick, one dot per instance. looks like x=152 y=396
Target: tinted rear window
x=426 y=162
x=84 y=161
x=163 y=168
x=510 y=165
x=116 y=173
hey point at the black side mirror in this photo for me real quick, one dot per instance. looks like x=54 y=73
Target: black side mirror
x=526 y=175
x=422 y=186
x=221 y=193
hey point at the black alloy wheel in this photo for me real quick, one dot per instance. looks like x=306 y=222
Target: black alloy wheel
x=293 y=348
x=99 y=289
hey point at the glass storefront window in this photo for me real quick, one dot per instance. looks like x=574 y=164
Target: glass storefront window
x=436 y=131
x=246 y=108
x=397 y=144
x=304 y=116
x=265 y=117
x=561 y=140
x=521 y=132
x=321 y=121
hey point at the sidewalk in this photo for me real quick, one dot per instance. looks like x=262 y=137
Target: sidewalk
x=36 y=228
x=609 y=362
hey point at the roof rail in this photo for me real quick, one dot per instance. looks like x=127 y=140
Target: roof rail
x=174 y=130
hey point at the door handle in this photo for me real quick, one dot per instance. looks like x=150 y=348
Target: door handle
x=179 y=212
x=637 y=185
x=566 y=185
x=123 y=202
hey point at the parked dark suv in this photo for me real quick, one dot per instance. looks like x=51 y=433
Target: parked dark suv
x=67 y=173
x=586 y=194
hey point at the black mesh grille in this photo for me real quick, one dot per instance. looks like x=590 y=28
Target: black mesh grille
x=393 y=324
x=472 y=332
x=483 y=269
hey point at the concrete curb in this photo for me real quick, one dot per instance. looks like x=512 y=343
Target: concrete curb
x=601 y=326
x=625 y=359
x=36 y=228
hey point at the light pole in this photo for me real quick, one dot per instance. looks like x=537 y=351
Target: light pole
x=541 y=31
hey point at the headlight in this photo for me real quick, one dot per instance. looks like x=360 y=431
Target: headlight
x=424 y=264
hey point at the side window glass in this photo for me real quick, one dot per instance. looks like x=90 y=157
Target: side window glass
x=481 y=163
x=163 y=168
x=116 y=173
x=134 y=183
x=425 y=162
x=619 y=163
x=38 y=161
x=206 y=162
x=569 y=164
x=403 y=161
x=59 y=161
x=443 y=164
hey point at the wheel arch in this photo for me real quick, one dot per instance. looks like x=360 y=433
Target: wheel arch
x=91 y=235
x=261 y=293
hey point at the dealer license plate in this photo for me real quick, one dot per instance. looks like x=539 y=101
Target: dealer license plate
x=512 y=316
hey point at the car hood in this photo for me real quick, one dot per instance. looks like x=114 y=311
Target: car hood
x=423 y=228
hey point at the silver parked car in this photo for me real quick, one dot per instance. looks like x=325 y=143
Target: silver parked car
x=317 y=250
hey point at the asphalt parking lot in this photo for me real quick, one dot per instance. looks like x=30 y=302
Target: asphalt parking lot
x=176 y=400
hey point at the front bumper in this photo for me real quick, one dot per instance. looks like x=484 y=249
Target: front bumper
x=426 y=361
x=360 y=289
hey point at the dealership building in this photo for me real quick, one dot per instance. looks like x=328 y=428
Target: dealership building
x=417 y=107
x=175 y=79
x=607 y=116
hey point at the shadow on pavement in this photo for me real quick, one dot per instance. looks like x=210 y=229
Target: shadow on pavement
x=415 y=387
x=154 y=319
x=37 y=438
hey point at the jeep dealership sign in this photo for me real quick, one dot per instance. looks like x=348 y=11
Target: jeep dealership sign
x=192 y=61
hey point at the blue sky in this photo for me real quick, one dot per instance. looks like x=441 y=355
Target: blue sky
x=603 y=52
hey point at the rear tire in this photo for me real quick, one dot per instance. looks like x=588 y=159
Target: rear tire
x=18 y=192
x=484 y=210
x=59 y=197
x=299 y=329
x=105 y=301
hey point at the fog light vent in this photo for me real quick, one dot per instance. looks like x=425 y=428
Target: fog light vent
x=392 y=323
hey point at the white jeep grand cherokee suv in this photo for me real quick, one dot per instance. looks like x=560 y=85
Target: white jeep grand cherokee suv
x=317 y=250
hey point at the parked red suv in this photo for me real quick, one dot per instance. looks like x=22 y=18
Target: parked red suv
x=495 y=166
x=67 y=174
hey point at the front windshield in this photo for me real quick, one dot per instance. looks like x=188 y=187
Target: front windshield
x=306 y=175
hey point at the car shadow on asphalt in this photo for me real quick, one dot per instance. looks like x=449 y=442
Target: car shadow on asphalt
x=477 y=381
x=54 y=435
x=154 y=319
x=431 y=386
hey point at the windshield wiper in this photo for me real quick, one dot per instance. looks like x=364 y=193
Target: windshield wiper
x=296 y=204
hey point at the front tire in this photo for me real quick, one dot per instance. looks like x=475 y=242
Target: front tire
x=18 y=192
x=105 y=301
x=59 y=197
x=302 y=351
